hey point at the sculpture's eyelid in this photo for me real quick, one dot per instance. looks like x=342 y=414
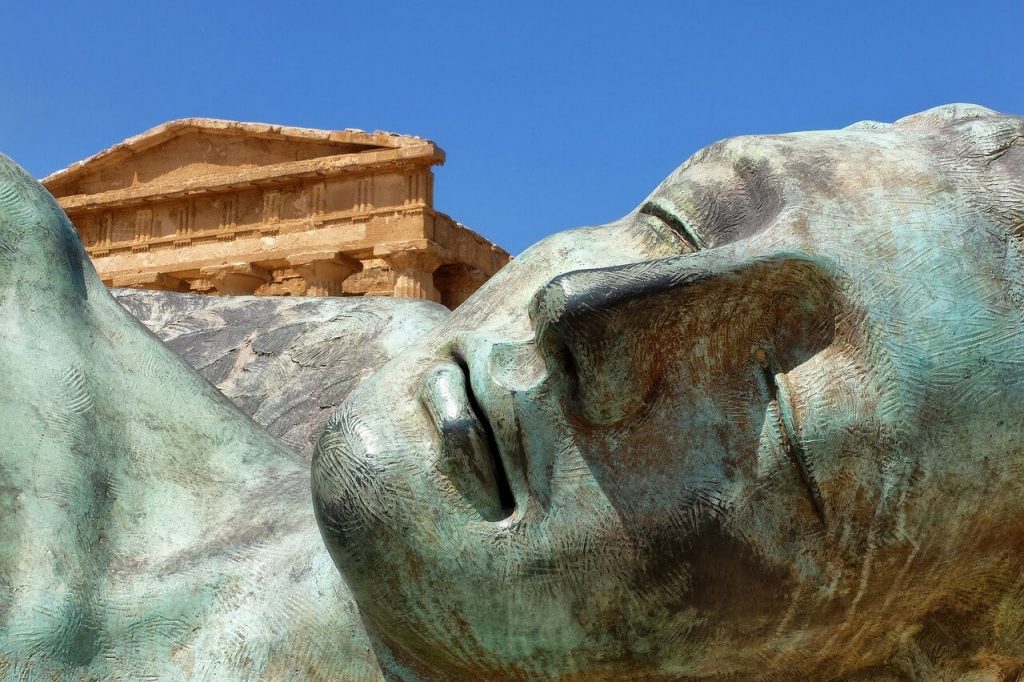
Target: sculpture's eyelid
x=660 y=209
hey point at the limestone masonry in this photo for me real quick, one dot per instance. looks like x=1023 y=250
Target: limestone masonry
x=222 y=207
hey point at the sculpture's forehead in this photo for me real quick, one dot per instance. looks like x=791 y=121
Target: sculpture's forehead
x=915 y=140
x=753 y=177
x=920 y=154
x=911 y=172
x=809 y=156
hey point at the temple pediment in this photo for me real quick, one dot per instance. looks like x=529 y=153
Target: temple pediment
x=196 y=152
x=231 y=208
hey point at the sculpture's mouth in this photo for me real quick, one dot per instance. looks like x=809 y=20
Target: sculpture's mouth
x=777 y=386
x=469 y=455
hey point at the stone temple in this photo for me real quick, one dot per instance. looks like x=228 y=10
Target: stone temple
x=223 y=207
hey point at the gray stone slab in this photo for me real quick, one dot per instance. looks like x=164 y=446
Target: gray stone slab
x=287 y=362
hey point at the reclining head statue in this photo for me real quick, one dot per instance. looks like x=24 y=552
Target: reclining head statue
x=767 y=425
x=770 y=418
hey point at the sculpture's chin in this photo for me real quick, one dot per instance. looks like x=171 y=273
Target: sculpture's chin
x=579 y=583
x=446 y=588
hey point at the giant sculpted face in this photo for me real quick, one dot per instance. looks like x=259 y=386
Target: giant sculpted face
x=770 y=421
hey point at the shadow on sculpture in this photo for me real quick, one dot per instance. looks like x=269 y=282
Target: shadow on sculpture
x=766 y=426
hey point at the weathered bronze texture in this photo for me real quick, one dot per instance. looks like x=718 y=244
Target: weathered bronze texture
x=766 y=426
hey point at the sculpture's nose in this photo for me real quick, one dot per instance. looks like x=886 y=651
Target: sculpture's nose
x=593 y=327
x=619 y=333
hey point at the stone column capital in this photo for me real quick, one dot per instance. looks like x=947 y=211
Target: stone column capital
x=236 y=279
x=202 y=285
x=413 y=263
x=324 y=272
x=324 y=265
x=416 y=254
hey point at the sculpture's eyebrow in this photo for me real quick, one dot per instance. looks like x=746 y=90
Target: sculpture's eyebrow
x=661 y=209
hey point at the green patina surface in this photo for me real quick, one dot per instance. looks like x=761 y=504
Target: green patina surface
x=148 y=528
x=766 y=426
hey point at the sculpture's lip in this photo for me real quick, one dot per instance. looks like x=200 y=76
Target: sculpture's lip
x=792 y=446
x=468 y=455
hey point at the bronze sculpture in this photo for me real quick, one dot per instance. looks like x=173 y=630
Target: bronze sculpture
x=766 y=426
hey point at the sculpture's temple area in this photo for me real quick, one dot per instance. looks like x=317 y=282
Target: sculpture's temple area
x=222 y=207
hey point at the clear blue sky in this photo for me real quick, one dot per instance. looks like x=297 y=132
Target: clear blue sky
x=553 y=114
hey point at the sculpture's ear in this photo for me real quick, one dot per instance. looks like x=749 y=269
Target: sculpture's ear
x=617 y=332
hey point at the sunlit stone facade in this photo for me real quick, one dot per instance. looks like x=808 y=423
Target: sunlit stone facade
x=230 y=208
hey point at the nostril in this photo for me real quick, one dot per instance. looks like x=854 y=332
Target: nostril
x=468 y=453
x=561 y=363
x=506 y=499
x=548 y=312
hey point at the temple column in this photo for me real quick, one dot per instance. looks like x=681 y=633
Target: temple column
x=235 y=279
x=202 y=286
x=457 y=282
x=324 y=271
x=413 y=264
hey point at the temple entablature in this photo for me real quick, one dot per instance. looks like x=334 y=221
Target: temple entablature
x=309 y=212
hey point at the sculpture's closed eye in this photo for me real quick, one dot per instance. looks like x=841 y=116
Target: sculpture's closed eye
x=667 y=217
x=721 y=200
